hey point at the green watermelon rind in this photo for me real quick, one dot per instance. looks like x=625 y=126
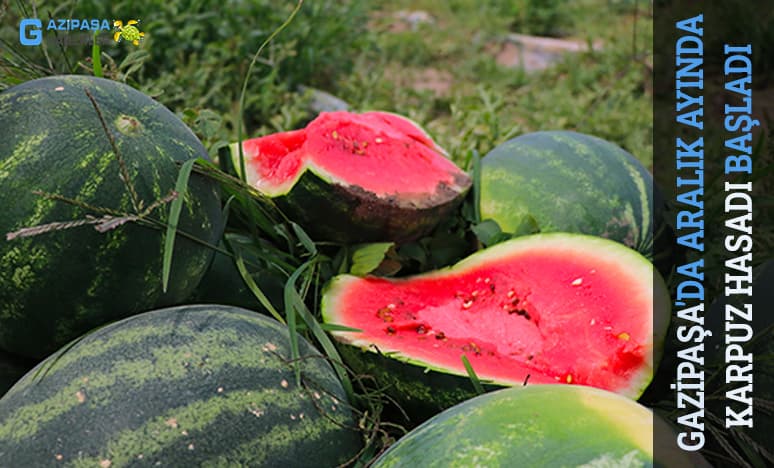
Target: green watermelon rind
x=533 y=426
x=182 y=385
x=51 y=139
x=423 y=386
x=564 y=181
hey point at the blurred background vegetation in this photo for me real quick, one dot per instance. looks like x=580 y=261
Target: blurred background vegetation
x=447 y=65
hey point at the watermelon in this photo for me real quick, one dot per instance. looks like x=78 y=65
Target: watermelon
x=561 y=181
x=546 y=308
x=56 y=285
x=536 y=426
x=349 y=177
x=199 y=385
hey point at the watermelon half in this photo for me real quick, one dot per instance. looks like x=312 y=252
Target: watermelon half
x=350 y=177
x=548 y=308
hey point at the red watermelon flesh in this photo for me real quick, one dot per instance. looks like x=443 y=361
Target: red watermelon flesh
x=379 y=152
x=547 y=308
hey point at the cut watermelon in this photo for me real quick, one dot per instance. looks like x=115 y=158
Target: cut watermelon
x=547 y=308
x=356 y=177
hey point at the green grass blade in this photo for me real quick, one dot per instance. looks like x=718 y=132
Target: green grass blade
x=476 y=186
x=96 y=59
x=243 y=93
x=472 y=375
x=181 y=186
x=304 y=238
x=254 y=288
x=293 y=303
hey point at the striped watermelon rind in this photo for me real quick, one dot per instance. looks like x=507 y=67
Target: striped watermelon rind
x=57 y=285
x=563 y=181
x=533 y=426
x=422 y=386
x=184 y=386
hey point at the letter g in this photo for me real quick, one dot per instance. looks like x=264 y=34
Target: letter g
x=30 y=33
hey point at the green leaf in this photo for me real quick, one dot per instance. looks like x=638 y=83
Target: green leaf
x=488 y=232
x=472 y=375
x=367 y=257
x=181 y=186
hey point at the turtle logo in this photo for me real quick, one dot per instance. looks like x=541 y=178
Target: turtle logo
x=128 y=31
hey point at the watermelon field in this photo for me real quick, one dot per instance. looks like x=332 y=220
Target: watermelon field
x=320 y=233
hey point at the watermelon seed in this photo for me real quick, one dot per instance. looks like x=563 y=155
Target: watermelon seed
x=466 y=305
x=474 y=294
x=390 y=306
x=492 y=288
x=487 y=280
x=384 y=314
x=390 y=330
x=421 y=329
x=440 y=336
x=593 y=321
x=530 y=357
x=521 y=313
x=472 y=347
x=335 y=135
x=623 y=336
x=569 y=378
x=577 y=282
x=378 y=140
x=511 y=293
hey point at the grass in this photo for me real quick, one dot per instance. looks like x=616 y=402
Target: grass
x=444 y=74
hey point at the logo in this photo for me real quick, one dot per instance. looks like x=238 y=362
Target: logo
x=78 y=31
x=128 y=32
x=30 y=33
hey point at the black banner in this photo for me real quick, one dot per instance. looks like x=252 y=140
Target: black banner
x=713 y=148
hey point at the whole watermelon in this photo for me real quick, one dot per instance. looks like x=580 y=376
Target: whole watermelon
x=562 y=181
x=56 y=285
x=200 y=385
